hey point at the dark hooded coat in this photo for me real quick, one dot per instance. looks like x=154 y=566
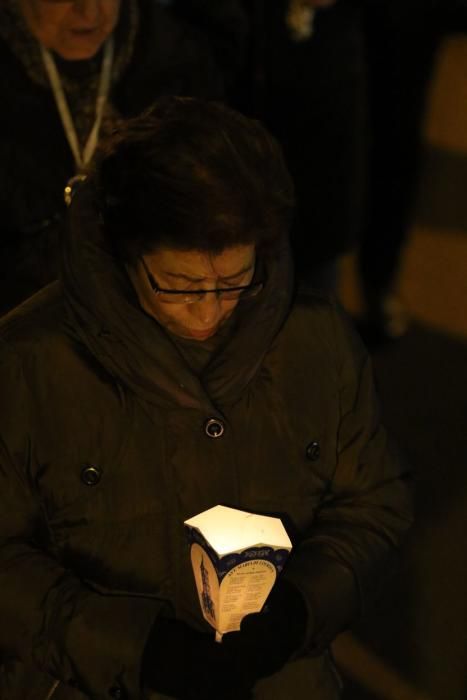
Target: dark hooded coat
x=104 y=454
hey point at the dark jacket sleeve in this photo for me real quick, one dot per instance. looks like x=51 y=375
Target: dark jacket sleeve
x=341 y=566
x=49 y=618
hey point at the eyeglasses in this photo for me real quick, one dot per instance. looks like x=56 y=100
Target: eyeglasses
x=186 y=296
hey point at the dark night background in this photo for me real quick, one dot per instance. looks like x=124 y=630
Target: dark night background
x=419 y=630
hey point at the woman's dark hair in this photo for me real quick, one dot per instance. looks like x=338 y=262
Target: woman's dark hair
x=192 y=175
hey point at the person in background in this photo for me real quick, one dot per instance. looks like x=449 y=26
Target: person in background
x=68 y=70
x=343 y=85
x=402 y=40
x=171 y=369
x=306 y=80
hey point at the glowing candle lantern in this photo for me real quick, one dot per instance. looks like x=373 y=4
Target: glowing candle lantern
x=236 y=558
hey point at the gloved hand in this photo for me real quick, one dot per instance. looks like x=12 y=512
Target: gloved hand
x=268 y=639
x=190 y=665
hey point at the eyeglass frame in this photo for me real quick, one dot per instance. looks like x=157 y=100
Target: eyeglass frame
x=256 y=288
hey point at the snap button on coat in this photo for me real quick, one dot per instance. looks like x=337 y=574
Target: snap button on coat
x=214 y=428
x=90 y=475
x=313 y=451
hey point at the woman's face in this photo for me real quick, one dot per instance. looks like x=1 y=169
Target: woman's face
x=193 y=270
x=74 y=29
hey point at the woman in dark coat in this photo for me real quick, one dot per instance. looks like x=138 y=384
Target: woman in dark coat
x=169 y=371
x=150 y=47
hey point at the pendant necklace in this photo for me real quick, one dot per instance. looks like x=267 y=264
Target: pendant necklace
x=81 y=157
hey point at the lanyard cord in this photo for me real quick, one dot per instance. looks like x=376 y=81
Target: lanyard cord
x=81 y=158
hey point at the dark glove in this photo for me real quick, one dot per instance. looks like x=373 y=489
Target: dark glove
x=190 y=665
x=268 y=639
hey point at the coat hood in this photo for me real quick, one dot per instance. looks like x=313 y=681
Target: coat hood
x=105 y=315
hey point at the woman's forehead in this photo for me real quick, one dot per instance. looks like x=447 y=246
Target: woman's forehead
x=201 y=264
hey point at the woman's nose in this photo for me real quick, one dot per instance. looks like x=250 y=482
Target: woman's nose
x=207 y=310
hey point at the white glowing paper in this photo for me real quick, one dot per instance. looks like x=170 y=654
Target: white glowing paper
x=236 y=557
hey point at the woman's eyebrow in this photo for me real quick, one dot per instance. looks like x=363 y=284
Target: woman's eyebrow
x=247 y=268
x=189 y=278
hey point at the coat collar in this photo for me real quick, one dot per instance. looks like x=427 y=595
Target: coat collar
x=106 y=317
